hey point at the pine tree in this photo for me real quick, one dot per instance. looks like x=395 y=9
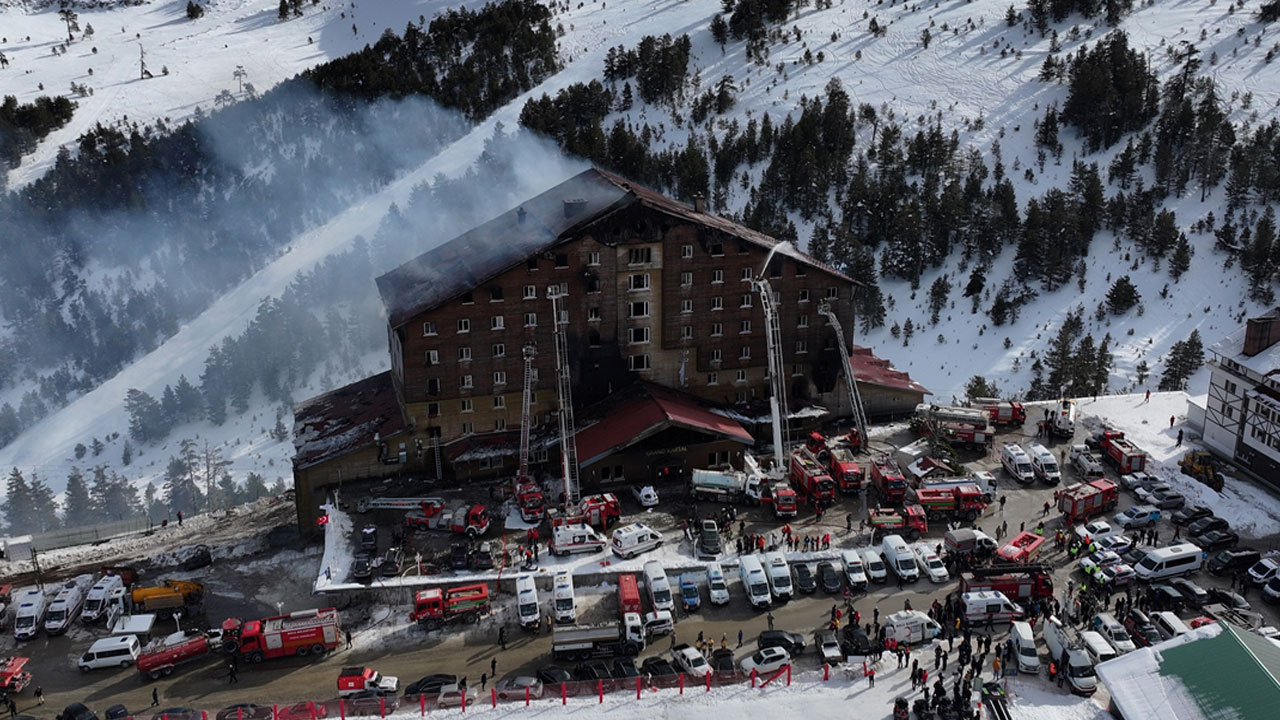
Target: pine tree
x=97 y=447
x=980 y=387
x=1122 y=296
x=1102 y=366
x=126 y=454
x=254 y=487
x=44 y=505
x=180 y=489
x=1181 y=260
x=938 y=293
x=228 y=493
x=10 y=424
x=720 y=30
x=908 y=329
x=1011 y=17
x=156 y=509
x=283 y=12
x=1185 y=357
x=145 y=416
x=80 y=451
x=78 y=510
x=17 y=505
x=1143 y=370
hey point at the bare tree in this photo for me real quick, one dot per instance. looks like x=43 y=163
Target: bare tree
x=72 y=20
x=240 y=74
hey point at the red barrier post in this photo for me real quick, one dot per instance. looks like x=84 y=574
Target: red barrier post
x=313 y=711
x=788 y=676
x=864 y=668
x=275 y=712
x=681 y=683
x=240 y=713
x=464 y=700
x=826 y=672
x=342 y=709
x=422 y=704
x=493 y=694
x=639 y=683
x=563 y=695
x=753 y=677
x=600 y=690
x=708 y=676
x=526 y=696
x=382 y=706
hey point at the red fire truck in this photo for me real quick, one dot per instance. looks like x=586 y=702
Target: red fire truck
x=1124 y=455
x=161 y=657
x=909 y=522
x=1003 y=412
x=844 y=470
x=809 y=477
x=1023 y=548
x=628 y=595
x=888 y=479
x=600 y=511
x=303 y=633
x=528 y=495
x=947 y=503
x=471 y=520
x=1017 y=582
x=434 y=607
x=1084 y=500
x=13 y=676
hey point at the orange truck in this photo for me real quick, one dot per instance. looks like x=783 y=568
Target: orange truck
x=888 y=479
x=159 y=659
x=303 y=633
x=1024 y=548
x=628 y=595
x=1084 y=500
x=433 y=608
x=964 y=501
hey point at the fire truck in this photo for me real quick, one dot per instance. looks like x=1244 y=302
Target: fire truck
x=432 y=514
x=909 y=522
x=844 y=470
x=600 y=511
x=808 y=476
x=528 y=497
x=964 y=502
x=159 y=658
x=13 y=676
x=435 y=607
x=888 y=479
x=1017 y=582
x=303 y=633
x=1084 y=500
x=1025 y=547
x=1124 y=455
x=966 y=427
x=1003 y=412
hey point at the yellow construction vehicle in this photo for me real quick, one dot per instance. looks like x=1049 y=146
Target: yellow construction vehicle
x=184 y=596
x=1201 y=465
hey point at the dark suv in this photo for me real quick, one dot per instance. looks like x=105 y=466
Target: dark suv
x=793 y=643
x=1229 y=561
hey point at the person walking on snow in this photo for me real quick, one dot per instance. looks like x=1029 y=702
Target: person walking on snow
x=1179 y=444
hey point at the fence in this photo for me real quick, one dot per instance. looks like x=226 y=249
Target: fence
x=67 y=537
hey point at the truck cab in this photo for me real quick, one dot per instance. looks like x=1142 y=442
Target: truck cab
x=352 y=680
x=1044 y=465
x=845 y=470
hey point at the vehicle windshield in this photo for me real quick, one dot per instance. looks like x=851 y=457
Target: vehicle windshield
x=935 y=563
x=1081 y=671
x=759 y=589
x=1119 y=635
x=24 y=621
x=528 y=609
x=876 y=566
x=907 y=566
x=1024 y=468
x=1051 y=467
x=92 y=606
x=564 y=604
x=1027 y=651
x=661 y=597
x=697 y=661
x=1148 y=563
x=717 y=584
x=895 y=483
x=56 y=616
x=782 y=581
x=689 y=591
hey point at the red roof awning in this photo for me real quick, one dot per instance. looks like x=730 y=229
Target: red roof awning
x=871 y=370
x=647 y=410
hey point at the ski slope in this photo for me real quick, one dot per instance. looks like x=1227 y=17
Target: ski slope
x=961 y=77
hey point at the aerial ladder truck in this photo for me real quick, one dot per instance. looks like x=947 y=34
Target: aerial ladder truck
x=857 y=439
x=527 y=493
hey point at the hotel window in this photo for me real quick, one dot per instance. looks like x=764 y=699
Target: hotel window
x=802 y=346
x=741 y=377
x=745 y=276
x=686 y=251
x=433 y=386
x=686 y=333
x=639 y=281
x=464 y=325
x=745 y=353
x=640 y=309
x=593 y=258
x=639 y=362
x=717 y=249
x=775 y=270
x=833 y=293
x=433 y=409
x=686 y=279
x=468 y=428
x=562 y=260
x=465 y=405
x=496 y=323
x=530 y=292
x=495 y=295
x=686 y=306
x=593 y=313
x=741 y=397
x=717 y=276
x=797 y=370
x=715 y=355
x=465 y=382
x=717 y=303
x=486 y=462
x=531 y=319
x=428 y=328
x=593 y=285
x=500 y=424
x=746 y=301
x=713 y=378
x=744 y=327
x=639 y=256
x=468 y=299
x=717 y=329
x=804 y=296
x=564 y=317
x=433 y=357
x=532 y=264
x=802 y=321
x=500 y=350
x=638 y=335
x=499 y=402
x=801 y=270
x=500 y=378
x=464 y=354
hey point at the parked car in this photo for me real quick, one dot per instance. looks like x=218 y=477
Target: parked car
x=553 y=675
x=1230 y=598
x=1263 y=570
x=1118 y=544
x=362 y=566
x=1167 y=500
x=1137 y=516
x=690 y=596
x=369 y=539
x=1135 y=480
x=1271 y=591
x=391 y=562
x=1117 y=575
x=592 y=671
x=1196 y=596
x=1206 y=524
x=828 y=646
x=766 y=660
x=244 y=711
x=120 y=712
x=298 y=711
x=1216 y=540
x=690 y=661
x=1141 y=629
x=184 y=713
x=804 y=580
x=1136 y=554
x=430 y=684
x=370 y=702
x=1146 y=491
x=452 y=697
x=1233 y=559
x=459 y=556
x=514 y=688
x=854 y=641
x=722 y=662
x=931 y=565
x=829 y=578
x=1190 y=514
x=1099 y=559
x=1167 y=597
x=624 y=669
x=1096 y=530
x=657 y=667
x=645 y=495
x=793 y=643
x=482 y=557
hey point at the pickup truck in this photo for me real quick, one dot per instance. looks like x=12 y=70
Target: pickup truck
x=1086 y=463
x=689 y=660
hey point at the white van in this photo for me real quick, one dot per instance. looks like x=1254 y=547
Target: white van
x=1078 y=665
x=1113 y=630
x=658 y=587
x=29 y=616
x=563 y=606
x=117 y=651
x=64 y=609
x=779 y=574
x=1064 y=418
x=1044 y=465
x=754 y=582
x=527 y=602
x=854 y=569
x=576 y=538
x=657 y=622
x=992 y=605
x=1172 y=561
x=716 y=585
x=1015 y=461
x=873 y=561
x=1022 y=640
x=96 y=602
x=898 y=556
x=1168 y=624
x=911 y=626
x=1097 y=646
x=631 y=540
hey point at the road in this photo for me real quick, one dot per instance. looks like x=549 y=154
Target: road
x=470 y=653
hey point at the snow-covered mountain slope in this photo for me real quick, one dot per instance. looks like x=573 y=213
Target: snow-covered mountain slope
x=201 y=56
x=977 y=74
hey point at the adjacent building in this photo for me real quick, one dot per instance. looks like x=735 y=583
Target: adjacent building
x=665 y=339
x=1241 y=411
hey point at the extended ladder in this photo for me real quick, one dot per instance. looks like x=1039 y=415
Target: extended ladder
x=777 y=368
x=568 y=446
x=529 y=352
x=850 y=379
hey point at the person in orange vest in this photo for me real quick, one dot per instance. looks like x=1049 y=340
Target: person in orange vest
x=1053 y=671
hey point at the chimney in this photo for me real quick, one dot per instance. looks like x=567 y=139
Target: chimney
x=574 y=206
x=699 y=203
x=520 y=214
x=1262 y=332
